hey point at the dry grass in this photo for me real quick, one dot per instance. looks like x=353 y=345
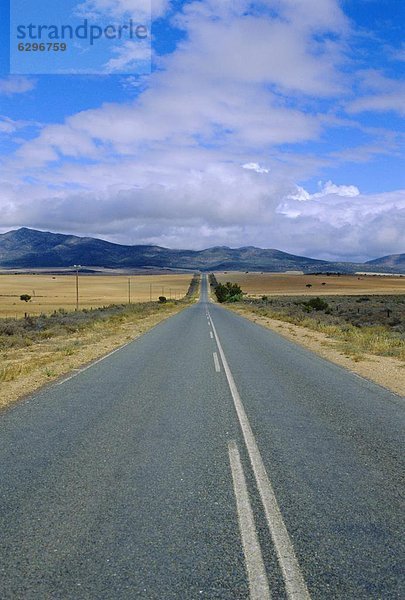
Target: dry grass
x=352 y=339
x=52 y=292
x=280 y=284
x=357 y=342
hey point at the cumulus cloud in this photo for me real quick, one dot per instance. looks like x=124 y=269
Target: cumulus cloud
x=199 y=158
x=252 y=166
x=327 y=189
x=334 y=226
x=204 y=93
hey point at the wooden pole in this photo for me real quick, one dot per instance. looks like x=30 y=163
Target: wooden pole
x=77 y=288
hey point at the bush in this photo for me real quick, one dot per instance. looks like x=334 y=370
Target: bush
x=25 y=297
x=230 y=292
x=162 y=299
x=316 y=304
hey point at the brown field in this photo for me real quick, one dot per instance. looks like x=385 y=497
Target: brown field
x=280 y=284
x=51 y=292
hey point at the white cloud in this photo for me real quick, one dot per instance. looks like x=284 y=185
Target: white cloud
x=195 y=160
x=206 y=94
x=330 y=188
x=386 y=94
x=119 y=8
x=9 y=125
x=252 y=166
x=16 y=84
x=215 y=206
x=381 y=103
x=399 y=53
x=340 y=226
x=127 y=57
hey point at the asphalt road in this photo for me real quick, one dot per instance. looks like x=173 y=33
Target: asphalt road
x=210 y=458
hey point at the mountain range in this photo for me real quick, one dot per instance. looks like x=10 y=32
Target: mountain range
x=28 y=248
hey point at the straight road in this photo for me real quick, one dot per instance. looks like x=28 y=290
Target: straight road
x=210 y=458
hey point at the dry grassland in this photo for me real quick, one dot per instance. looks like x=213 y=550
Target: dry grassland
x=52 y=292
x=280 y=284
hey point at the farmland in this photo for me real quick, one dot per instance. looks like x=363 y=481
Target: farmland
x=280 y=284
x=53 y=292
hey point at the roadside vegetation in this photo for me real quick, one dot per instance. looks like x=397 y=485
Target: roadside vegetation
x=37 y=349
x=228 y=292
x=365 y=324
x=225 y=292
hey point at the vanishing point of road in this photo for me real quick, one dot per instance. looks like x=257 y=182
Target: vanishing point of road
x=210 y=458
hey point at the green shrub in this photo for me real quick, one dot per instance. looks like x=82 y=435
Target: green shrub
x=316 y=304
x=230 y=292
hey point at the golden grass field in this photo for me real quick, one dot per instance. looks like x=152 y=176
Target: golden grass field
x=280 y=284
x=51 y=292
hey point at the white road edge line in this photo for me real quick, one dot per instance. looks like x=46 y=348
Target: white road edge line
x=295 y=585
x=258 y=584
x=216 y=362
x=211 y=335
x=92 y=364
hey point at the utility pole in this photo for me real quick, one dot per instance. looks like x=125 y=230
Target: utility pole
x=150 y=292
x=129 y=290
x=77 y=267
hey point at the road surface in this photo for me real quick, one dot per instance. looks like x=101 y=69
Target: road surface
x=210 y=458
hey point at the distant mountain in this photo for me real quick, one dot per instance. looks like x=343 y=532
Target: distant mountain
x=29 y=248
x=395 y=262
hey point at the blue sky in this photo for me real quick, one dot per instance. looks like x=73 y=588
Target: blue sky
x=276 y=123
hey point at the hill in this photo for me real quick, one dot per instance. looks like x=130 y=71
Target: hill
x=29 y=248
x=395 y=262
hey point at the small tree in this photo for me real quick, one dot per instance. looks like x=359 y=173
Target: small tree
x=25 y=297
x=230 y=292
x=221 y=292
x=317 y=304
